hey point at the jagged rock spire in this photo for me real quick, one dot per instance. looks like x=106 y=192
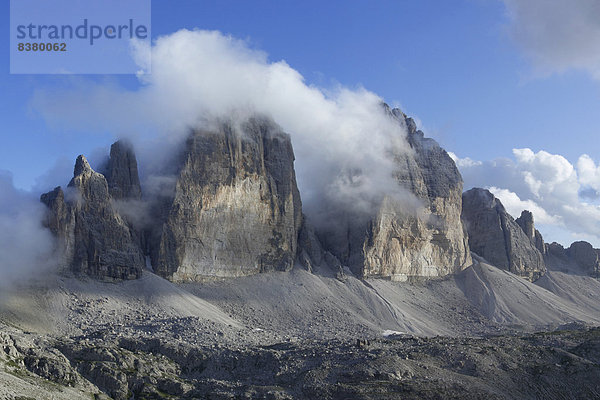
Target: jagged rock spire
x=122 y=172
x=93 y=238
x=81 y=165
x=495 y=236
x=526 y=223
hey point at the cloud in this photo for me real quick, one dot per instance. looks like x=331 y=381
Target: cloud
x=337 y=133
x=463 y=162
x=55 y=176
x=557 y=35
x=26 y=247
x=589 y=173
x=554 y=190
x=549 y=177
x=514 y=205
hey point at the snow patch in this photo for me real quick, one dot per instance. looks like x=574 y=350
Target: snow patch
x=388 y=333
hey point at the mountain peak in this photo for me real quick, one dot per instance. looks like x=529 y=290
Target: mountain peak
x=81 y=165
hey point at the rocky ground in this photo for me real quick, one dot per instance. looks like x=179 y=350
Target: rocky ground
x=303 y=335
x=552 y=365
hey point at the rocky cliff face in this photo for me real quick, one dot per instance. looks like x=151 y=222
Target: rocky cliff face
x=526 y=223
x=310 y=251
x=586 y=256
x=580 y=257
x=404 y=240
x=122 y=172
x=235 y=209
x=94 y=238
x=497 y=237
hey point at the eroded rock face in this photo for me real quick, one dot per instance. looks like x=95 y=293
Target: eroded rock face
x=526 y=223
x=585 y=256
x=93 y=237
x=236 y=208
x=557 y=250
x=122 y=172
x=580 y=258
x=423 y=236
x=497 y=237
x=310 y=250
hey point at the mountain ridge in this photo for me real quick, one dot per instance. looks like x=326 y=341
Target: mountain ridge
x=235 y=209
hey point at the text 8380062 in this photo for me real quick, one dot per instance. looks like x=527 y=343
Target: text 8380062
x=42 y=46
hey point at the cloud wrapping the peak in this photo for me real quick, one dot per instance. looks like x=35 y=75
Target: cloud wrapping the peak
x=200 y=75
x=26 y=247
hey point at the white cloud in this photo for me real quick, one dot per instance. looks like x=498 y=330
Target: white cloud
x=198 y=75
x=589 y=172
x=463 y=162
x=546 y=184
x=514 y=205
x=549 y=176
x=26 y=247
x=557 y=35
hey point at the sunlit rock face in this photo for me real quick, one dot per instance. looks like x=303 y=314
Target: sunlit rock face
x=235 y=208
x=416 y=228
x=93 y=239
x=497 y=237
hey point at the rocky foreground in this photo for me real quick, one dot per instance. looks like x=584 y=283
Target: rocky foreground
x=552 y=365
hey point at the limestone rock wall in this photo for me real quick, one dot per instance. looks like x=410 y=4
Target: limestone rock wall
x=94 y=239
x=425 y=238
x=526 y=223
x=236 y=208
x=122 y=172
x=497 y=237
x=585 y=256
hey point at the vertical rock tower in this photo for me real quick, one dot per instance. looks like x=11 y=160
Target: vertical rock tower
x=93 y=238
x=526 y=223
x=422 y=239
x=235 y=209
x=497 y=237
x=122 y=172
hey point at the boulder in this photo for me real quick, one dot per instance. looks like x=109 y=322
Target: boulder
x=497 y=237
x=235 y=209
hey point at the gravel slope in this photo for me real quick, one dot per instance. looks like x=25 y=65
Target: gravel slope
x=298 y=334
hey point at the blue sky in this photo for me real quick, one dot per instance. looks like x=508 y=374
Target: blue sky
x=470 y=71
